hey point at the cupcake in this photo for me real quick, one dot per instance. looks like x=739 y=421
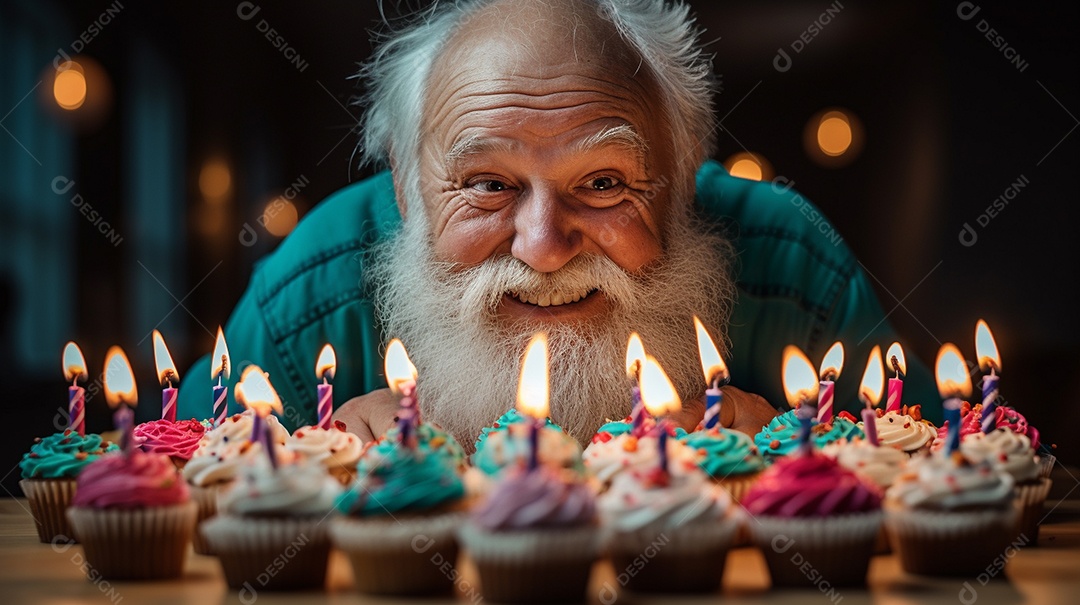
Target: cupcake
x=971 y=424
x=905 y=430
x=689 y=521
x=397 y=519
x=510 y=447
x=947 y=516
x=176 y=439
x=534 y=537
x=335 y=448
x=48 y=477
x=222 y=452
x=806 y=509
x=133 y=515
x=613 y=428
x=604 y=459
x=729 y=457
x=1012 y=453
x=436 y=439
x=275 y=518
x=878 y=464
x=781 y=436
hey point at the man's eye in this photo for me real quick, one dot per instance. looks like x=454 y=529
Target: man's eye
x=490 y=186
x=603 y=183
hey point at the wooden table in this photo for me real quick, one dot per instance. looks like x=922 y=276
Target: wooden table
x=31 y=572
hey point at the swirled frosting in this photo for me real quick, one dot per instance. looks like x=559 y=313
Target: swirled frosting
x=224 y=449
x=178 y=439
x=392 y=478
x=1004 y=450
x=971 y=423
x=781 y=436
x=544 y=497
x=880 y=464
x=810 y=485
x=300 y=488
x=903 y=431
x=62 y=455
x=614 y=428
x=502 y=449
x=605 y=459
x=435 y=438
x=724 y=452
x=636 y=500
x=331 y=447
x=941 y=482
x=511 y=416
x=134 y=480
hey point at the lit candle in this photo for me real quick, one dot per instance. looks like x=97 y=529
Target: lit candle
x=716 y=375
x=660 y=398
x=534 y=392
x=255 y=392
x=873 y=382
x=120 y=393
x=75 y=370
x=635 y=357
x=989 y=360
x=831 y=366
x=166 y=371
x=800 y=388
x=954 y=383
x=220 y=368
x=325 y=367
x=895 y=360
x=401 y=377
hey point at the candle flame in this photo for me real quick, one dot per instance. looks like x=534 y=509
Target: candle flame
x=74 y=363
x=951 y=371
x=397 y=366
x=119 y=379
x=166 y=369
x=635 y=356
x=326 y=364
x=873 y=379
x=219 y=361
x=897 y=352
x=986 y=348
x=657 y=393
x=712 y=364
x=533 y=387
x=254 y=391
x=800 y=381
x=833 y=362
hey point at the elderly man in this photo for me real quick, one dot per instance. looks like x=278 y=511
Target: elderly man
x=549 y=163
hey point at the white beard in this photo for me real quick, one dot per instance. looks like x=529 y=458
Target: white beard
x=468 y=358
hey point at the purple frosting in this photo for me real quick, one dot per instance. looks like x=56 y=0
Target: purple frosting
x=543 y=497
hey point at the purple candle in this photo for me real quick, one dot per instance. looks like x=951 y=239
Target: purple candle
x=219 y=369
x=325 y=367
x=75 y=370
x=989 y=401
x=120 y=392
x=166 y=370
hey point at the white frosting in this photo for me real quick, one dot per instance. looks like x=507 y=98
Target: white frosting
x=879 y=464
x=503 y=448
x=223 y=450
x=607 y=459
x=631 y=503
x=903 y=432
x=299 y=488
x=330 y=447
x=1005 y=450
x=945 y=483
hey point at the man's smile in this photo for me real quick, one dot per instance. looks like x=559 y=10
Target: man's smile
x=560 y=305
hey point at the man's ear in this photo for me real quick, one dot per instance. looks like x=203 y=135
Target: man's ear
x=399 y=187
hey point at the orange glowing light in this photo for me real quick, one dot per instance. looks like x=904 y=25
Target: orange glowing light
x=657 y=393
x=834 y=134
x=166 y=369
x=254 y=391
x=119 y=379
x=712 y=364
x=69 y=86
x=635 y=356
x=833 y=362
x=951 y=371
x=873 y=379
x=800 y=382
x=986 y=348
x=895 y=350
x=533 y=387
x=750 y=166
x=397 y=367
x=326 y=364
x=219 y=361
x=280 y=217
x=215 y=180
x=74 y=363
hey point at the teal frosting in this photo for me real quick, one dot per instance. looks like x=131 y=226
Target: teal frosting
x=556 y=449
x=392 y=478
x=783 y=432
x=512 y=416
x=614 y=428
x=726 y=452
x=62 y=455
x=434 y=437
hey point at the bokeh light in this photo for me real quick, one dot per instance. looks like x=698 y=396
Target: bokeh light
x=834 y=133
x=69 y=86
x=749 y=166
x=280 y=217
x=215 y=180
x=833 y=137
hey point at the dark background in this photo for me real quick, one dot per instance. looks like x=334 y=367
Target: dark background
x=950 y=123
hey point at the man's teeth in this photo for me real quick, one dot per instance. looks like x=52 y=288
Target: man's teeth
x=551 y=300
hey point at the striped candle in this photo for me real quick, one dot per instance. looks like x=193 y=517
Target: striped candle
x=896 y=394
x=989 y=402
x=952 y=417
x=825 y=401
x=221 y=406
x=713 y=399
x=325 y=408
x=168 y=404
x=77 y=409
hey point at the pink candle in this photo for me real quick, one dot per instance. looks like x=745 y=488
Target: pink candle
x=825 y=401
x=325 y=392
x=325 y=366
x=831 y=367
x=894 y=360
x=896 y=394
x=168 y=403
x=870 y=425
x=77 y=409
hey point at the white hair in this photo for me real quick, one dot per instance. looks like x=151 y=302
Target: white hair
x=663 y=33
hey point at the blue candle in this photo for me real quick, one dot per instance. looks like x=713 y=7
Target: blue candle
x=806 y=414
x=952 y=417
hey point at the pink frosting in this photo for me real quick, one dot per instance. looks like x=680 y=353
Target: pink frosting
x=971 y=422
x=543 y=497
x=810 y=486
x=179 y=439
x=130 y=481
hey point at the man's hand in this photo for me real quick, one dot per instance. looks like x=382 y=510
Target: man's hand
x=739 y=410
x=368 y=416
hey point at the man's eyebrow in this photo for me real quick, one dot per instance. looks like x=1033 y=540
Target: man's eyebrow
x=476 y=145
x=622 y=135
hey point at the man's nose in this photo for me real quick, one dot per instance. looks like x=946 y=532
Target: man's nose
x=545 y=236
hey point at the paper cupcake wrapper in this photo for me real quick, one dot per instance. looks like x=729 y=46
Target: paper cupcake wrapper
x=692 y=538
x=960 y=543
x=404 y=556
x=532 y=566
x=686 y=559
x=1030 y=498
x=139 y=544
x=811 y=551
x=270 y=553
x=205 y=497
x=1046 y=465
x=737 y=486
x=49 y=500
x=344 y=475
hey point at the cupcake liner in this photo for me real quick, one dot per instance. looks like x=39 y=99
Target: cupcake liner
x=135 y=544
x=543 y=565
x=960 y=543
x=270 y=553
x=205 y=497
x=49 y=500
x=403 y=556
x=686 y=559
x=1046 y=465
x=813 y=551
x=1030 y=497
x=344 y=475
x=737 y=485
